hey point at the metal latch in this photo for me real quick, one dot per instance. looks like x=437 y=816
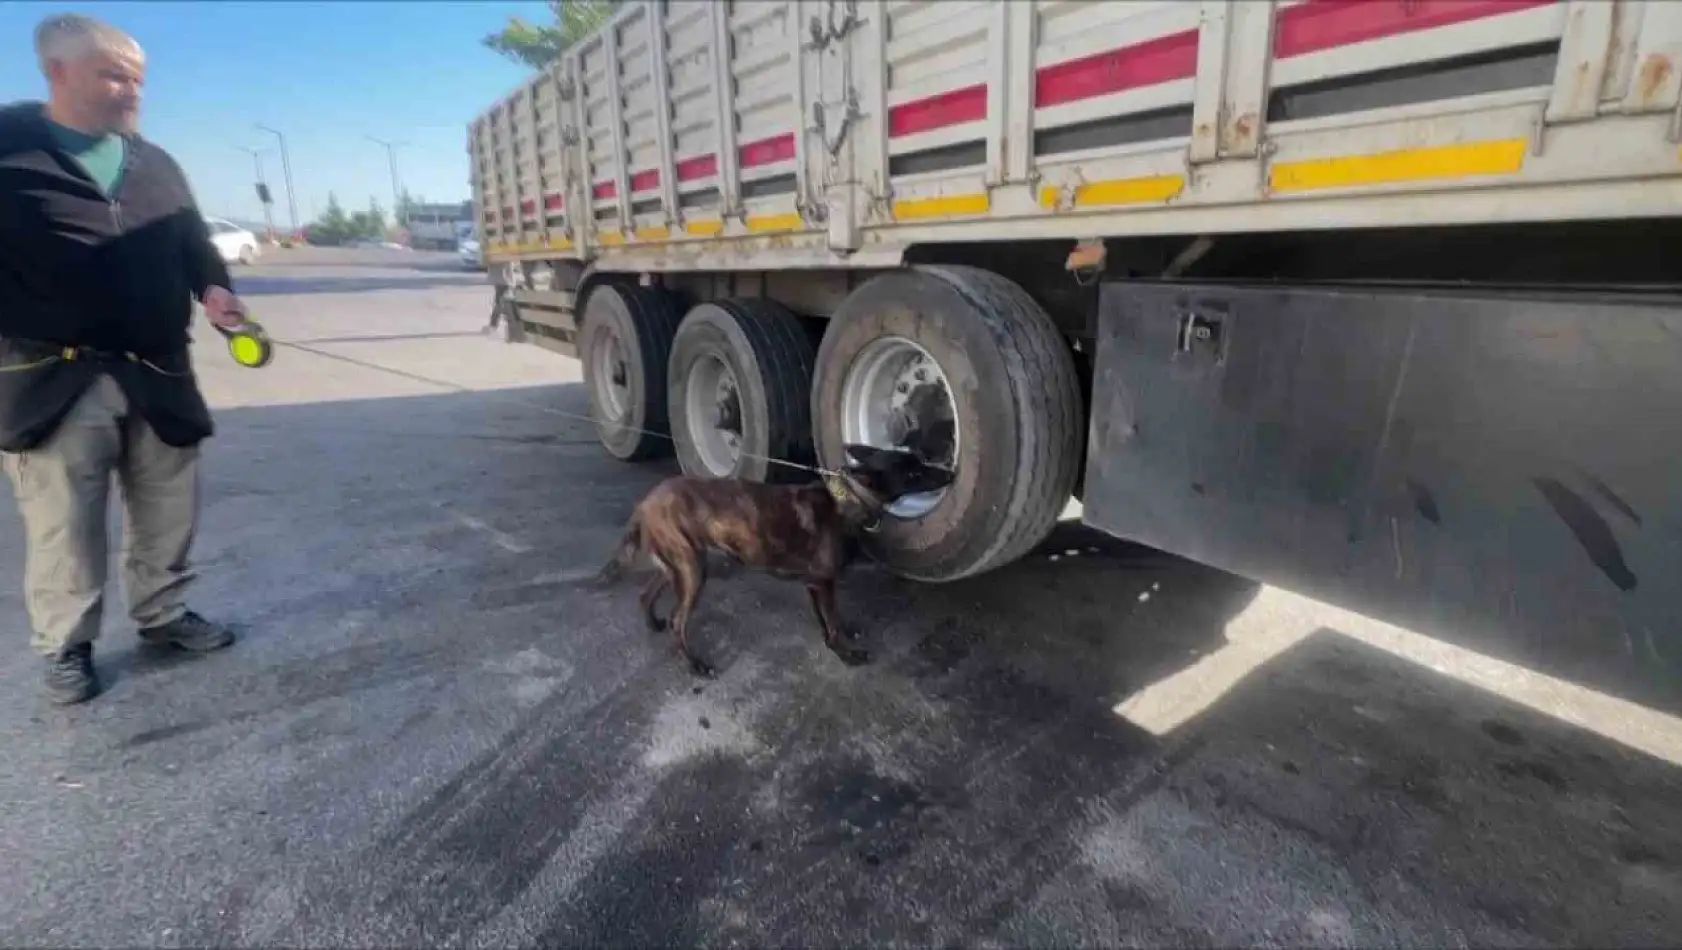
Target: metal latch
x=1199 y=331
x=820 y=123
x=827 y=30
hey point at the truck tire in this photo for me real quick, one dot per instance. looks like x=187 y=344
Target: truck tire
x=1016 y=423
x=625 y=340
x=741 y=389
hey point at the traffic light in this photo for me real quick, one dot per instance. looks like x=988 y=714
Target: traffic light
x=263 y=194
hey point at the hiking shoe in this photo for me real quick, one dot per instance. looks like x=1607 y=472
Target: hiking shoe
x=189 y=632
x=70 y=678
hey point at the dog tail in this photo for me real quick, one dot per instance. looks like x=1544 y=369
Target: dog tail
x=626 y=554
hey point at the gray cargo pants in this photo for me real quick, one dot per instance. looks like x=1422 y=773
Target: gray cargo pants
x=63 y=492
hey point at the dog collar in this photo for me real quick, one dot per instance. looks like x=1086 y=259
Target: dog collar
x=842 y=490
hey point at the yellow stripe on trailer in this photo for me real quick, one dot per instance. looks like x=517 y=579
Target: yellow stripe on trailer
x=1494 y=157
x=763 y=223
x=657 y=233
x=943 y=206
x=1116 y=191
x=560 y=244
x=704 y=227
x=610 y=238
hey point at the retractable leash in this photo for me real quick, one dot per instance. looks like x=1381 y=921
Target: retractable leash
x=248 y=343
x=835 y=481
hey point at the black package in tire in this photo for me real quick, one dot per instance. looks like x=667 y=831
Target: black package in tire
x=624 y=341
x=740 y=389
x=1015 y=404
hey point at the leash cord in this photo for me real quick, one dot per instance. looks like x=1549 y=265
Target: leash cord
x=527 y=404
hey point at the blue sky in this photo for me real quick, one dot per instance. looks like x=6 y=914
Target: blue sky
x=327 y=74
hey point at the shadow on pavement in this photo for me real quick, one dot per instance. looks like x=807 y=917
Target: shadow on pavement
x=435 y=733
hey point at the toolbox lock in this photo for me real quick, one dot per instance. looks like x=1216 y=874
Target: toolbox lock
x=1199 y=331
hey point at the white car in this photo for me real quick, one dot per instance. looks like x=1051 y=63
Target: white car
x=234 y=242
x=467 y=249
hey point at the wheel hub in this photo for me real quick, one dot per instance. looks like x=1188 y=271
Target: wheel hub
x=713 y=404
x=612 y=379
x=895 y=396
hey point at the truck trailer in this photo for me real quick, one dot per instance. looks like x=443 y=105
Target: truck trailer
x=1375 y=300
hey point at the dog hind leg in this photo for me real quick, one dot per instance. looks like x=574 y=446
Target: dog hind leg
x=657 y=585
x=623 y=556
x=690 y=576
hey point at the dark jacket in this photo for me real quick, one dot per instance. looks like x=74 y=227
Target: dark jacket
x=91 y=285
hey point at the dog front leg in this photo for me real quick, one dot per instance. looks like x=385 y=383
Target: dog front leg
x=829 y=618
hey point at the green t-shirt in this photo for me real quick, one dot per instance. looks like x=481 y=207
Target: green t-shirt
x=101 y=155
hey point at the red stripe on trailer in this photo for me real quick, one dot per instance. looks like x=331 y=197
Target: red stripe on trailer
x=553 y=202
x=1325 y=24
x=644 y=180
x=701 y=166
x=603 y=190
x=778 y=148
x=938 y=111
x=1154 y=61
x=528 y=206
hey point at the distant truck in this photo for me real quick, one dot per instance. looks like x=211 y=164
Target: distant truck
x=438 y=226
x=1373 y=299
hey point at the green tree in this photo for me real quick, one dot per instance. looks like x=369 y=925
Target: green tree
x=537 y=44
x=406 y=204
x=369 y=224
x=334 y=227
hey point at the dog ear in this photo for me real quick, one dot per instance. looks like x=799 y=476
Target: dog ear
x=862 y=454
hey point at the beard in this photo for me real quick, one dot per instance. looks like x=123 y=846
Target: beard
x=122 y=120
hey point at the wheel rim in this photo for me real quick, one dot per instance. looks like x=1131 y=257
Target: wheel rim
x=895 y=396
x=611 y=379
x=712 y=405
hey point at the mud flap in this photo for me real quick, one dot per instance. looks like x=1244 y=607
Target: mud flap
x=1503 y=472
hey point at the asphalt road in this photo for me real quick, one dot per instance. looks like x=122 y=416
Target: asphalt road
x=432 y=734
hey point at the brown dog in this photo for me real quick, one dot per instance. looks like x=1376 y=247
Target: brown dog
x=794 y=532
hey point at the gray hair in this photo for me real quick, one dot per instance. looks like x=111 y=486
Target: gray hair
x=71 y=36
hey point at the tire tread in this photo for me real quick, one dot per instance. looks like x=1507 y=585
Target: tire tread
x=786 y=361
x=654 y=316
x=1046 y=391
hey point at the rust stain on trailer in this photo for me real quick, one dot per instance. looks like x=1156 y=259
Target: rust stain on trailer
x=1243 y=132
x=1651 y=78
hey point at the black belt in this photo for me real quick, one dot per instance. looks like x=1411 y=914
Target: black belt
x=55 y=352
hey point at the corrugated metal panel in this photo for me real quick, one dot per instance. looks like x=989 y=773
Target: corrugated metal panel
x=695 y=120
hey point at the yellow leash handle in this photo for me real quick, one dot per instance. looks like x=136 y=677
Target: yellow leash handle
x=248 y=344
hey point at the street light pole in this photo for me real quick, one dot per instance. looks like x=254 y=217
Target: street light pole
x=286 y=169
x=396 y=189
x=268 y=210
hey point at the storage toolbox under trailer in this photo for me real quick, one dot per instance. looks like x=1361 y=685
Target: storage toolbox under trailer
x=1372 y=299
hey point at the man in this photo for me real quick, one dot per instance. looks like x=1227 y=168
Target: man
x=102 y=249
